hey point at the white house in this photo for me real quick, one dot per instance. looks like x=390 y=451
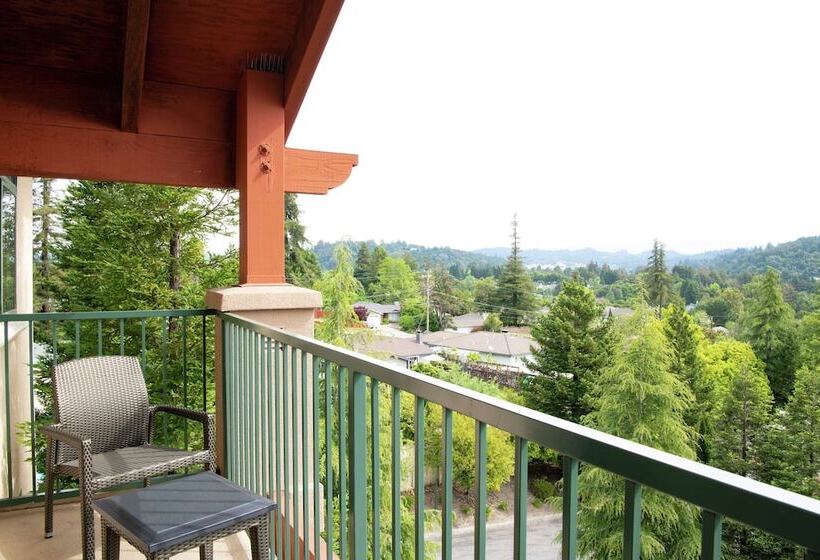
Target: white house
x=502 y=348
x=398 y=351
x=379 y=313
x=469 y=322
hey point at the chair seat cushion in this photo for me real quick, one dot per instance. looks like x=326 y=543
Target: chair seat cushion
x=133 y=463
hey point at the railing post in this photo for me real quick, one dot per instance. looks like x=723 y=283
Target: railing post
x=569 y=532
x=632 y=520
x=520 y=505
x=357 y=459
x=711 y=529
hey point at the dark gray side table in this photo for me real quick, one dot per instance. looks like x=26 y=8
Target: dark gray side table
x=189 y=512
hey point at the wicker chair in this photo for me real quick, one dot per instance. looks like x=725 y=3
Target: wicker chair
x=104 y=431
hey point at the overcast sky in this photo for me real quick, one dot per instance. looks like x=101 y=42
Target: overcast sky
x=602 y=124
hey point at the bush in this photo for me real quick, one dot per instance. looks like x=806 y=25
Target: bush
x=500 y=449
x=542 y=489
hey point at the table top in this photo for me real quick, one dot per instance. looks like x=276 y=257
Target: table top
x=184 y=509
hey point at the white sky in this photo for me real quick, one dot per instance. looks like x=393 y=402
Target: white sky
x=603 y=124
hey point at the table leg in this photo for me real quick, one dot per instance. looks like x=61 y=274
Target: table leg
x=110 y=543
x=206 y=551
x=260 y=540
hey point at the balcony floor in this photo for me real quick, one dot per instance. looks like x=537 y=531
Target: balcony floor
x=21 y=538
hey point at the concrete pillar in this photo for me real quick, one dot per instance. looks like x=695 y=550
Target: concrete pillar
x=19 y=411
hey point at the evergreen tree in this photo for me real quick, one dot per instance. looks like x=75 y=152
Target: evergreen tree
x=301 y=265
x=340 y=289
x=799 y=446
x=639 y=398
x=515 y=294
x=768 y=325
x=657 y=278
x=685 y=339
x=573 y=347
x=48 y=275
x=742 y=423
x=131 y=246
x=362 y=269
x=377 y=257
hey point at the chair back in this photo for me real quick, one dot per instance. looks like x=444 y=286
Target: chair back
x=103 y=399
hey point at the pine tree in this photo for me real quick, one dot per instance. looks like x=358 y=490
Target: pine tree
x=573 y=347
x=639 y=398
x=657 y=278
x=741 y=426
x=377 y=257
x=768 y=325
x=47 y=274
x=362 y=269
x=799 y=446
x=301 y=265
x=685 y=340
x=516 y=291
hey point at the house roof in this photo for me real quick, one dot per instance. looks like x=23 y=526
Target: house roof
x=469 y=320
x=381 y=308
x=393 y=346
x=502 y=344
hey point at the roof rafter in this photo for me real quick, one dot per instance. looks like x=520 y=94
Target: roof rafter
x=133 y=66
x=312 y=33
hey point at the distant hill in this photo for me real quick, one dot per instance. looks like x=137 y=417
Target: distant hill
x=797 y=261
x=424 y=256
x=580 y=257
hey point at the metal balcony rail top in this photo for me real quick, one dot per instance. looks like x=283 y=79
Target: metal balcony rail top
x=780 y=512
x=102 y=315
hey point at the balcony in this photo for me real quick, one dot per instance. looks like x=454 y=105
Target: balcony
x=308 y=424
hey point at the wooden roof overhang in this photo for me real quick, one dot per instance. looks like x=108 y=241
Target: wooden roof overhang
x=145 y=91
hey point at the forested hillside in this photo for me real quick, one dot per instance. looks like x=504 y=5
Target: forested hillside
x=479 y=264
x=797 y=261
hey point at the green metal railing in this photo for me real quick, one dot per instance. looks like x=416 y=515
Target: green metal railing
x=298 y=416
x=173 y=347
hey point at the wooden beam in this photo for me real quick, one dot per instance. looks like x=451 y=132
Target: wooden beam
x=39 y=150
x=133 y=66
x=311 y=172
x=315 y=25
x=260 y=177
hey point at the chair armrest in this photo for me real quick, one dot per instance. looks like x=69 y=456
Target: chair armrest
x=200 y=416
x=55 y=432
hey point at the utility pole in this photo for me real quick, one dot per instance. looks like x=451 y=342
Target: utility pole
x=427 y=291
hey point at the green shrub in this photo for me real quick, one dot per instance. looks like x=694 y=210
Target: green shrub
x=542 y=489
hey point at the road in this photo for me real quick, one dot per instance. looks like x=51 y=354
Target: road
x=541 y=533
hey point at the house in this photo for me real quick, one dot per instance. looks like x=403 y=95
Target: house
x=377 y=314
x=503 y=348
x=469 y=322
x=398 y=351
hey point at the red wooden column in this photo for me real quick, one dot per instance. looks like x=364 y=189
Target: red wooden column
x=260 y=177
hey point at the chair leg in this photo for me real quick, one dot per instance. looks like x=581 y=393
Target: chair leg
x=49 y=507
x=206 y=551
x=87 y=519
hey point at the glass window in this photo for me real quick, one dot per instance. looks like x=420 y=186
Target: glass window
x=8 y=244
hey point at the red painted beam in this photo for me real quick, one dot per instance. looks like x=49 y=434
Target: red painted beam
x=315 y=25
x=39 y=150
x=133 y=66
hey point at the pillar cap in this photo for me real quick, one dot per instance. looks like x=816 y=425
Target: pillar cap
x=262 y=297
